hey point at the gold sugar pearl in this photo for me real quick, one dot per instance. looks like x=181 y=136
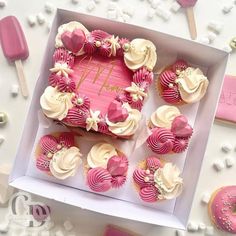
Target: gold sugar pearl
x=80 y=101
x=147 y=172
x=126 y=46
x=146 y=179
x=59 y=146
x=233 y=43
x=3 y=118
x=170 y=85
x=49 y=155
x=98 y=44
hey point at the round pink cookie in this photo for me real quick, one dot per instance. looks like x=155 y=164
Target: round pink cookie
x=187 y=3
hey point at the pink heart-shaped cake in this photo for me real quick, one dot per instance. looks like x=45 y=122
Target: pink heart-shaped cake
x=116 y=113
x=181 y=128
x=73 y=41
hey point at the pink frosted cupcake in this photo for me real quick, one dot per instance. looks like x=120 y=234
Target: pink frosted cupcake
x=180 y=84
x=170 y=131
x=106 y=167
x=157 y=180
x=58 y=155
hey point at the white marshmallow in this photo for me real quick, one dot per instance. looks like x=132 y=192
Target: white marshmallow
x=155 y=3
x=192 y=227
x=112 y=14
x=227 y=8
x=31 y=20
x=48 y=7
x=201 y=226
x=209 y=230
x=4 y=227
x=59 y=233
x=3 y=3
x=226 y=147
x=68 y=225
x=112 y=6
x=175 y=7
x=219 y=165
x=75 y=1
x=44 y=233
x=129 y=10
x=40 y=18
x=91 y=5
x=230 y=161
x=14 y=90
x=2 y=139
x=216 y=26
x=206 y=198
x=125 y=17
x=163 y=12
x=212 y=36
x=204 y=40
x=150 y=13
x=227 y=48
x=179 y=233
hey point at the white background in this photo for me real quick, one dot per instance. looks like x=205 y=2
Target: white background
x=89 y=223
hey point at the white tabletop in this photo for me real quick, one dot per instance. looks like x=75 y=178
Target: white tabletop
x=89 y=223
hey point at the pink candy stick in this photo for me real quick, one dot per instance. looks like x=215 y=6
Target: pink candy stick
x=189 y=4
x=14 y=47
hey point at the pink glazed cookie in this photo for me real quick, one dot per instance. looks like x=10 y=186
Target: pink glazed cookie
x=98 y=81
x=222 y=209
x=106 y=168
x=170 y=131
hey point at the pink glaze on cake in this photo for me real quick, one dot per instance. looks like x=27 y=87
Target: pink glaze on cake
x=117 y=165
x=161 y=141
x=167 y=77
x=222 y=208
x=99 y=179
x=180 y=127
x=149 y=194
x=143 y=75
x=116 y=113
x=118 y=181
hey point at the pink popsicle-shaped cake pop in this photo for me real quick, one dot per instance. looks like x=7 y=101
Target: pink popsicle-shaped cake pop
x=14 y=47
x=188 y=5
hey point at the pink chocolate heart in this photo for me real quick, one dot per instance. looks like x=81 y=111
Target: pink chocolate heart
x=117 y=113
x=181 y=128
x=187 y=3
x=73 y=41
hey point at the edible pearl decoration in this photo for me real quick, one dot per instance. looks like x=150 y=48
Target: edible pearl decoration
x=233 y=43
x=3 y=118
x=98 y=44
x=80 y=101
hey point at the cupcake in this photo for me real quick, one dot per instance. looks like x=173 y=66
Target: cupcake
x=157 y=180
x=58 y=155
x=181 y=84
x=170 y=131
x=106 y=167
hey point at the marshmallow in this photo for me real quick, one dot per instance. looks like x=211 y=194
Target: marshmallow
x=155 y=3
x=129 y=10
x=68 y=225
x=5 y=191
x=206 y=198
x=91 y=5
x=4 y=227
x=112 y=6
x=179 y=233
x=209 y=230
x=150 y=13
x=125 y=17
x=192 y=227
x=204 y=40
x=230 y=161
x=216 y=26
x=40 y=18
x=44 y=233
x=212 y=36
x=75 y=1
x=175 y=7
x=226 y=147
x=3 y=3
x=219 y=165
x=112 y=14
x=163 y=13
x=227 y=48
x=31 y=19
x=2 y=139
x=59 y=233
x=201 y=226
x=227 y=8
x=48 y=7
x=14 y=90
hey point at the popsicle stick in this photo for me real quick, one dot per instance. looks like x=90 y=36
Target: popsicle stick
x=227 y=122
x=21 y=77
x=191 y=23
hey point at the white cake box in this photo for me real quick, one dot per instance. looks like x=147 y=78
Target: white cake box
x=127 y=204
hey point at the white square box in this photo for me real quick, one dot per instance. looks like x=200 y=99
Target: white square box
x=210 y=60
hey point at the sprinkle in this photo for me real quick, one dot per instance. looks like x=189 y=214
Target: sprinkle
x=3 y=3
x=219 y=165
x=40 y=18
x=216 y=26
x=14 y=90
x=205 y=198
x=48 y=7
x=226 y=147
x=179 y=233
x=175 y=7
x=230 y=161
x=212 y=36
x=209 y=230
x=192 y=227
x=31 y=19
x=68 y=225
x=91 y=5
